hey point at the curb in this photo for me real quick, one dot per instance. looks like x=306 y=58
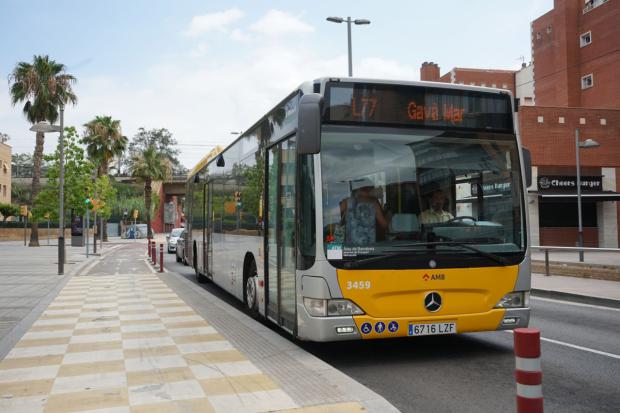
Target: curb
x=583 y=299
x=307 y=379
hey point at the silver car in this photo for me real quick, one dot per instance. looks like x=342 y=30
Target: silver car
x=172 y=239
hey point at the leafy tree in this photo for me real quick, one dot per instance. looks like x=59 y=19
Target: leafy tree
x=150 y=165
x=160 y=139
x=8 y=210
x=104 y=141
x=78 y=183
x=23 y=165
x=44 y=86
x=4 y=138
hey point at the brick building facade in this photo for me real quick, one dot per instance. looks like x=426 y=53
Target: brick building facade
x=576 y=54
x=501 y=79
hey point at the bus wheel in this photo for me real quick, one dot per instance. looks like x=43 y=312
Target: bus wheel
x=250 y=293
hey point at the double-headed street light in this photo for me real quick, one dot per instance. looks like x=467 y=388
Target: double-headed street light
x=588 y=143
x=45 y=127
x=348 y=21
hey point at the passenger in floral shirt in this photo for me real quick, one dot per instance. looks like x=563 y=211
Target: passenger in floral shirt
x=362 y=217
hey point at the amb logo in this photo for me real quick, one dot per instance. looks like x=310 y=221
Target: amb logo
x=432 y=277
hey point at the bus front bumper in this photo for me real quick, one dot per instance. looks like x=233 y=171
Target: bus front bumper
x=354 y=328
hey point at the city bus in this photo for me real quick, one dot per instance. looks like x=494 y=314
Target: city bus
x=364 y=209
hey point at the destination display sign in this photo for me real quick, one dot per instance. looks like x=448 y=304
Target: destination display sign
x=564 y=183
x=420 y=106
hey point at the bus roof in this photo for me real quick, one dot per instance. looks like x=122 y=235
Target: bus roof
x=307 y=87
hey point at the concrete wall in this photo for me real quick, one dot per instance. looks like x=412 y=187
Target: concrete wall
x=607 y=213
x=5 y=173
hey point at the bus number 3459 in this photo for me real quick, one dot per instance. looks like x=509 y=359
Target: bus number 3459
x=358 y=285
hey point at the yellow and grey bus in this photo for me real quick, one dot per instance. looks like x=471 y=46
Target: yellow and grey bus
x=363 y=209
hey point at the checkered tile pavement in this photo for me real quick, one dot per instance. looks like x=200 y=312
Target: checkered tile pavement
x=128 y=343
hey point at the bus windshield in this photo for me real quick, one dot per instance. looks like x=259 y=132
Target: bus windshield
x=388 y=190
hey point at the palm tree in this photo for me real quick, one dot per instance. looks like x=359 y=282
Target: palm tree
x=148 y=165
x=44 y=86
x=104 y=140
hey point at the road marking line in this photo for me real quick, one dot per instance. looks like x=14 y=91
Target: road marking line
x=590 y=350
x=552 y=300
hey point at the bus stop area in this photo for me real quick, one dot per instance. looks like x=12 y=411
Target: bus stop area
x=115 y=334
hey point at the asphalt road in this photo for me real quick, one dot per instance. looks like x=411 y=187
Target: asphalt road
x=474 y=372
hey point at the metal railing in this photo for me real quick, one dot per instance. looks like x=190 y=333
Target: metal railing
x=546 y=249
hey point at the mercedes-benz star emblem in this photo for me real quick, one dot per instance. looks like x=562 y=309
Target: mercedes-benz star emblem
x=432 y=301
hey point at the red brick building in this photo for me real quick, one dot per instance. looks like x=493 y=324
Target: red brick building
x=501 y=79
x=576 y=54
x=573 y=83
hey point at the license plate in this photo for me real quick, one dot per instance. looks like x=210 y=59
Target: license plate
x=430 y=329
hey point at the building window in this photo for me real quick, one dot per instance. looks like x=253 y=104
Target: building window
x=541 y=119
x=494 y=85
x=472 y=83
x=587 y=81
x=549 y=29
x=585 y=39
x=561 y=119
x=483 y=84
x=603 y=121
x=582 y=121
x=504 y=86
x=538 y=36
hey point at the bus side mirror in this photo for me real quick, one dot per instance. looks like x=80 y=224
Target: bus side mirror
x=220 y=161
x=309 y=127
x=527 y=164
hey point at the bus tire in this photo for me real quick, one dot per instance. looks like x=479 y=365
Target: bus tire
x=250 y=292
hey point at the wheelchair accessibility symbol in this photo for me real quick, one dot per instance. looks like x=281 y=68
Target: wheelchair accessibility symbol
x=366 y=328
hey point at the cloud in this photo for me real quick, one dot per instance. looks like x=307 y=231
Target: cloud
x=217 y=21
x=241 y=36
x=277 y=23
x=199 y=50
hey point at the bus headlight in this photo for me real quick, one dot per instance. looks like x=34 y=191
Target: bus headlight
x=515 y=299
x=317 y=307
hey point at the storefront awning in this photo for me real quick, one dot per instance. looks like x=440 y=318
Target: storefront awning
x=571 y=196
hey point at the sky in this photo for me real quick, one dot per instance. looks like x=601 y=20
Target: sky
x=206 y=68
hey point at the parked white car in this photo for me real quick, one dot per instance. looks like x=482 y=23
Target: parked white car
x=172 y=239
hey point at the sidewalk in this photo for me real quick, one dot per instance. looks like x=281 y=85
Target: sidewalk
x=121 y=338
x=28 y=277
x=575 y=286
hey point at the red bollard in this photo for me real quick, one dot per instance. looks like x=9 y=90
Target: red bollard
x=154 y=253
x=161 y=257
x=528 y=370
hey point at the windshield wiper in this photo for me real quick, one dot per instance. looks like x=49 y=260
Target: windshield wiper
x=494 y=257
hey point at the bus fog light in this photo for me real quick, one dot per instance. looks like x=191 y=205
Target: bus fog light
x=515 y=299
x=345 y=330
x=510 y=321
x=316 y=307
x=342 y=307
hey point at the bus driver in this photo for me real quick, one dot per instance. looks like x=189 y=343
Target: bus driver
x=436 y=214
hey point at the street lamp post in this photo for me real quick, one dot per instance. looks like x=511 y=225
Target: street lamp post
x=588 y=143
x=45 y=127
x=348 y=21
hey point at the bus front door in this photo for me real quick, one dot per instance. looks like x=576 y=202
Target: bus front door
x=280 y=262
